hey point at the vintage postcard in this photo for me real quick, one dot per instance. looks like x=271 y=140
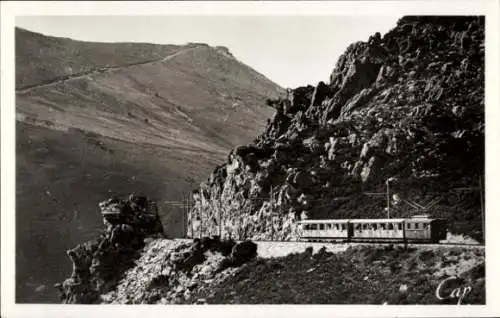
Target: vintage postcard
x=336 y=157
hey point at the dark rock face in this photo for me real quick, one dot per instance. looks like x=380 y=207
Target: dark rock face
x=170 y=271
x=98 y=264
x=243 y=252
x=408 y=104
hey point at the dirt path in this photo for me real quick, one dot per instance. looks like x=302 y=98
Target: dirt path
x=102 y=70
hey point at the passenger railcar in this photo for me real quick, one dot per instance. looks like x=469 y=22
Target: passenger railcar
x=419 y=228
x=326 y=229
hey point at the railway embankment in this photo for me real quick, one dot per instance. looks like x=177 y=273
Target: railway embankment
x=358 y=275
x=133 y=262
x=209 y=271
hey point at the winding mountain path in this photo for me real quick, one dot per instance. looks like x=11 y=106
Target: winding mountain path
x=74 y=76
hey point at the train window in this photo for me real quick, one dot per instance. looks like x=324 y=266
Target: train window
x=328 y=226
x=400 y=226
x=314 y=226
x=306 y=227
x=374 y=226
x=321 y=226
x=343 y=227
x=365 y=226
x=417 y=225
x=390 y=226
x=357 y=226
x=383 y=226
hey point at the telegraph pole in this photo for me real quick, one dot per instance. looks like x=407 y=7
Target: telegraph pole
x=272 y=214
x=388 y=199
x=191 y=217
x=482 y=207
x=220 y=218
x=184 y=217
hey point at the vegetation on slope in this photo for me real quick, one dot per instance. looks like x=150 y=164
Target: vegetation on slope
x=362 y=275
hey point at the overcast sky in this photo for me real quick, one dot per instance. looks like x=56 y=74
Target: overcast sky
x=290 y=50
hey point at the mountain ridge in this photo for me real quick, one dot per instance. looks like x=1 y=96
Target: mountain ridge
x=154 y=127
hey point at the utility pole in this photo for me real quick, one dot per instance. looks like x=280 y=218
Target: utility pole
x=388 y=200
x=191 y=217
x=482 y=207
x=404 y=235
x=184 y=217
x=272 y=214
x=388 y=197
x=220 y=218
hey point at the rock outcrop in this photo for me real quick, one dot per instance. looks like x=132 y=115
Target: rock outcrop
x=408 y=105
x=169 y=271
x=134 y=262
x=99 y=264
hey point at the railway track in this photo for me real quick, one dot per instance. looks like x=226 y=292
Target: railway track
x=267 y=248
x=478 y=246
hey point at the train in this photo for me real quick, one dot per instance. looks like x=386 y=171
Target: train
x=417 y=229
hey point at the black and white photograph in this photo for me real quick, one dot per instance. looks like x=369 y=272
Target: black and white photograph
x=303 y=156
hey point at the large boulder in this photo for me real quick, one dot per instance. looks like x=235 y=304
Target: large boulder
x=243 y=252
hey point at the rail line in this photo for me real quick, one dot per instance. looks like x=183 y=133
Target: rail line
x=432 y=245
x=347 y=244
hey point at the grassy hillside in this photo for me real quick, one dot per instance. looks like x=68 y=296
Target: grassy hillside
x=42 y=59
x=91 y=125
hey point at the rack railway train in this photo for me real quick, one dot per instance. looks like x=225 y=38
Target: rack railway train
x=417 y=229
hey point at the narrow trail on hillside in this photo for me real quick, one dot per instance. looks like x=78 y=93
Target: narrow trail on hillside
x=80 y=75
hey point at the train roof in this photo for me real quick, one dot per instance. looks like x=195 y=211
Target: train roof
x=325 y=221
x=377 y=220
x=398 y=220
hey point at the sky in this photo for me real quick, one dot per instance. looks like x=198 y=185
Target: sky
x=290 y=50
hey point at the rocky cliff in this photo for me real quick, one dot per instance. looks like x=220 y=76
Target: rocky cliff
x=133 y=262
x=403 y=112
